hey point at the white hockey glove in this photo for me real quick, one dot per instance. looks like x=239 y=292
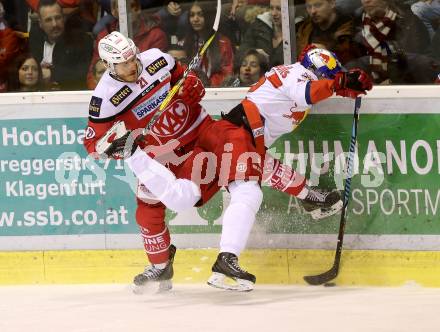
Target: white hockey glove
x=118 y=142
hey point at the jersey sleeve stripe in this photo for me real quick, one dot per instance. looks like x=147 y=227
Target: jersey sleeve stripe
x=308 y=97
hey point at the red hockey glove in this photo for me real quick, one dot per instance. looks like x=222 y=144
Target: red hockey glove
x=353 y=83
x=192 y=90
x=437 y=80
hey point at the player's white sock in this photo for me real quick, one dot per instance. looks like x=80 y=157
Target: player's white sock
x=246 y=198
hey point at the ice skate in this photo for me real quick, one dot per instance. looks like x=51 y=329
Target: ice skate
x=226 y=266
x=320 y=204
x=152 y=274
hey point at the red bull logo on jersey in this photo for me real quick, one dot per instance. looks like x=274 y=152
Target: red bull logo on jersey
x=297 y=116
x=329 y=61
x=305 y=77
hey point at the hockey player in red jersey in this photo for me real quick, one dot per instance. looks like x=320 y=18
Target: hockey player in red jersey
x=272 y=107
x=126 y=97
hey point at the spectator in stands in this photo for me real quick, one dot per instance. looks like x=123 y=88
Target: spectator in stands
x=105 y=19
x=394 y=41
x=178 y=53
x=11 y=45
x=25 y=75
x=327 y=27
x=229 y=26
x=3 y=22
x=265 y=34
x=145 y=4
x=64 y=54
x=174 y=20
x=237 y=16
x=252 y=66
x=217 y=62
x=146 y=33
x=81 y=13
x=99 y=69
x=429 y=13
x=18 y=14
x=435 y=45
x=347 y=7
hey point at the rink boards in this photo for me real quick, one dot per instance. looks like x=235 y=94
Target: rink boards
x=276 y=266
x=66 y=208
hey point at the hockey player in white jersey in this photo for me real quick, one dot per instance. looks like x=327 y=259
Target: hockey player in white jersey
x=272 y=107
x=283 y=97
x=276 y=105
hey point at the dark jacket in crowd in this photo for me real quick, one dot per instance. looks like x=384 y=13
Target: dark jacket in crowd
x=435 y=45
x=71 y=57
x=259 y=36
x=409 y=63
x=338 y=38
x=409 y=33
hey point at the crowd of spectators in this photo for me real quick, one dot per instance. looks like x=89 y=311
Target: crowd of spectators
x=48 y=45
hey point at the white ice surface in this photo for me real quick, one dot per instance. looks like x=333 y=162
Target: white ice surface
x=193 y=308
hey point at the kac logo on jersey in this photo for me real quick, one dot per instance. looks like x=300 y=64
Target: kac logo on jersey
x=173 y=121
x=157 y=65
x=121 y=95
x=148 y=106
x=95 y=106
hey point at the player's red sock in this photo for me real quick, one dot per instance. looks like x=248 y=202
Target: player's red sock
x=284 y=178
x=156 y=243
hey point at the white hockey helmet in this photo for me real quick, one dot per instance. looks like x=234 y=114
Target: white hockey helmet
x=320 y=61
x=116 y=48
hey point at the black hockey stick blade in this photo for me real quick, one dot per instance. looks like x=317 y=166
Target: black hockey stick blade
x=331 y=274
x=322 y=278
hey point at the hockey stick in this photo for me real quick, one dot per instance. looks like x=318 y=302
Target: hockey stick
x=333 y=272
x=192 y=65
